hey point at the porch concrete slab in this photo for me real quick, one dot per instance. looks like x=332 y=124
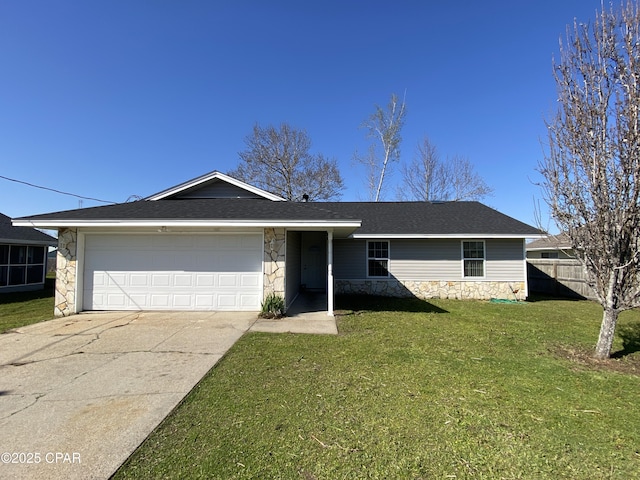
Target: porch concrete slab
x=79 y=394
x=319 y=323
x=308 y=314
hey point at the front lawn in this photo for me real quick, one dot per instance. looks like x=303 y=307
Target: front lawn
x=446 y=389
x=24 y=308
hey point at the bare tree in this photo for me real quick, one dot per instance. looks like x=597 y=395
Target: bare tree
x=278 y=160
x=384 y=127
x=428 y=178
x=592 y=168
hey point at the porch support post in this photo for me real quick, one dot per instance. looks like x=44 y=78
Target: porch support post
x=330 y=273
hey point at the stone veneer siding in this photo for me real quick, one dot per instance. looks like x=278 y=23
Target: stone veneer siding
x=485 y=290
x=65 y=299
x=274 y=261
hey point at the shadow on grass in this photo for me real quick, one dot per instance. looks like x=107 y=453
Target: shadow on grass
x=630 y=335
x=538 y=297
x=374 y=303
x=18 y=297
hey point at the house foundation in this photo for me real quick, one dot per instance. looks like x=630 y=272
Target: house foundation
x=433 y=289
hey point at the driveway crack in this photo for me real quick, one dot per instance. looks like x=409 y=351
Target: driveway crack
x=37 y=396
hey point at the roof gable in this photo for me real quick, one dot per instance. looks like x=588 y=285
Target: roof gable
x=214 y=185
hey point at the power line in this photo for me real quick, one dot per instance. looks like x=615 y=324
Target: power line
x=54 y=190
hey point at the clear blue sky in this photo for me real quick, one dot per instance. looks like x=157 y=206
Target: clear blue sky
x=109 y=99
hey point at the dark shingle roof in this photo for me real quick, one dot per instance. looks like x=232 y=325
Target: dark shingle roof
x=22 y=234
x=198 y=209
x=383 y=218
x=432 y=218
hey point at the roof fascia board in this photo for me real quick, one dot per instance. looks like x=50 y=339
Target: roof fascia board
x=452 y=235
x=536 y=249
x=212 y=176
x=191 y=223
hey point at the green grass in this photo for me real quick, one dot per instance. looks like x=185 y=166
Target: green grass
x=24 y=308
x=447 y=389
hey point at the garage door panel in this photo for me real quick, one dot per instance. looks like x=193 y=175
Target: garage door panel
x=116 y=279
x=226 y=301
x=227 y=280
x=190 y=272
x=117 y=299
x=250 y=301
x=160 y=279
x=249 y=280
x=160 y=301
x=182 y=301
x=183 y=280
x=138 y=300
x=99 y=279
x=205 y=279
x=205 y=301
x=139 y=280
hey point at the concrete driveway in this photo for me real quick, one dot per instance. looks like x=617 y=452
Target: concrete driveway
x=79 y=394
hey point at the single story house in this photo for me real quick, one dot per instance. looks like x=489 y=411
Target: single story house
x=23 y=257
x=551 y=247
x=216 y=243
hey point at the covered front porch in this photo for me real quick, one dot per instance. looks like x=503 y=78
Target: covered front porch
x=309 y=272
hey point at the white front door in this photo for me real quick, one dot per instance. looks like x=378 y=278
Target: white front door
x=167 y=271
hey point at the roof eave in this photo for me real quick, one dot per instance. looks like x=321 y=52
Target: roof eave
x=54 y=224
x=16 y=241
x=448 y=235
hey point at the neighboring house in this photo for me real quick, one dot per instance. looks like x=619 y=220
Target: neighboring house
x=553 y=268
x=23 y=257
x=216 y=243
x=551 y=247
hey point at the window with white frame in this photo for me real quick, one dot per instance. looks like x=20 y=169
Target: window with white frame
x=473 y=257
x=378 y=258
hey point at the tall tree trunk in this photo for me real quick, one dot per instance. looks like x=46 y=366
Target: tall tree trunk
x=607 y=332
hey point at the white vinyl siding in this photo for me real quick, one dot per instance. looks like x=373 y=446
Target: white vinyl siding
x=349 y=259
x=432 y=260
x=504 y=259
x=425 y=259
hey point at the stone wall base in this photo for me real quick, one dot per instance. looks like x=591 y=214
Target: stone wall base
x=433 y=289
x=274 y=261
x=65 y=298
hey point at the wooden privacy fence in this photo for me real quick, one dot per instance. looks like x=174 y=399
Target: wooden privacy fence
x=559 y=277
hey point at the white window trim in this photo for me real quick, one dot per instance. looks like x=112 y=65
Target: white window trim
x=484 y=259
x=388 y=259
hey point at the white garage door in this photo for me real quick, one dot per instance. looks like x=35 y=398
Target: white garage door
x=173 y=272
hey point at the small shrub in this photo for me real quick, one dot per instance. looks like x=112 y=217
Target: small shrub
x=272 y=307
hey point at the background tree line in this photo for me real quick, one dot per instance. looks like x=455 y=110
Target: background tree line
x=278 y=159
